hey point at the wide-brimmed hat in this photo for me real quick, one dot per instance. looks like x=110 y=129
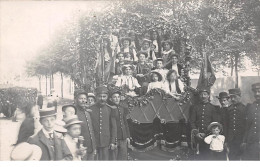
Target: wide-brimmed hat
x=146 y=40
x=47 y=112
x=26 y=152
x=59 y=126
x=158 y=74
x=215 y=124
x=72 y=120
x=255 y=86
x=222 y=95
x=101 y=90
x=141 y=52
x=235 y=91
x=125 y=38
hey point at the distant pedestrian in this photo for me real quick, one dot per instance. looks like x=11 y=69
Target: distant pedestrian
x=40 y=100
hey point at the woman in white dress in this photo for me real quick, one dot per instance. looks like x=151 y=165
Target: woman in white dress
x=156 y=81
x=127 y=81
x=173 y=86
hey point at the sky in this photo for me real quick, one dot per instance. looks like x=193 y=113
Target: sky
x=27 y=26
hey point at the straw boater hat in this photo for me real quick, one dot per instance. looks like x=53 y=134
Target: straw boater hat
x=47 y=112
x=146 y=40
x=26 y=152
x=126 y=38
x=235 y=91
x=72 y=120
x=255 y=86
x=222 y=95
x=144 y=53
x=59 y=126
x=158 y=74
x=215 y=124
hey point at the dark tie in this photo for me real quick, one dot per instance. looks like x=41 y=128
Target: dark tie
x=170 y=87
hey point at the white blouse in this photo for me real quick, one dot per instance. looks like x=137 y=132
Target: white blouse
x=163 y=72
x=170 y=88
x=130 y=81
x=154 y=85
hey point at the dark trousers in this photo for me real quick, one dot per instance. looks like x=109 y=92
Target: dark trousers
x=234 y=151
x=103 y=153
x=204 y=152
x=252 y=152
x=217 y=156
x=121 y=151
x=89 y=157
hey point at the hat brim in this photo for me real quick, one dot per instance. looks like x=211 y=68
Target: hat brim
x=72 y=123
x=215 y=124
x=60 y=129
x=158 y=74
x=48 y=115
x=218 y=97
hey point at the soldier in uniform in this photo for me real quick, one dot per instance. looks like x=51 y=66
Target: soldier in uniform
x=235 y=124
x=104 y=124
x=86 y=126
x=252 y=136
x=201 y=115
x=123 y=134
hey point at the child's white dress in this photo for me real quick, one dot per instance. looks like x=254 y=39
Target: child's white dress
x=217 y=143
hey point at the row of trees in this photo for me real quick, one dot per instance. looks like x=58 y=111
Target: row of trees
x=227 y=29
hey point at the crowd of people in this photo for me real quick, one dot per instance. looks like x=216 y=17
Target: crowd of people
x=92 y=129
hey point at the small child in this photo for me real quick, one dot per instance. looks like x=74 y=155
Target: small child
x=156 y=79
x=73 y=138
x=216 y=141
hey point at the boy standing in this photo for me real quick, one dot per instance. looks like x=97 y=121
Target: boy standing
x=53 y=147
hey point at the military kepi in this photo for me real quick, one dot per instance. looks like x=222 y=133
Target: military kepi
x=235 y=91
x=47 y=112
x=101 y=90
x=256 y=86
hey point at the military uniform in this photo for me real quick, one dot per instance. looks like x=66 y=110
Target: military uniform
x=104 y=125
x=201 y=115
x=122 y=132
x=235 y=128
x=87 y=132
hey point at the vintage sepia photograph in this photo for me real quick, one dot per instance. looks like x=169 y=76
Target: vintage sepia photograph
x=130 y=80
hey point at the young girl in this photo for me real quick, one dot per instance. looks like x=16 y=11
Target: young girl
x=157 y=42
x=167 y=51
x=173 y=86
x=156 y=79
x=216 y=141
x=130 y=53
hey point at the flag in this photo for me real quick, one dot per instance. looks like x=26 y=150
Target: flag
x=207 y=76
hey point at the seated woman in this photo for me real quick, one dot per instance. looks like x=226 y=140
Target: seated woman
x=167 y=51
x=156 y=81
x=173 y=86
x=130 y=51
x=142 y=68
x=127 y=81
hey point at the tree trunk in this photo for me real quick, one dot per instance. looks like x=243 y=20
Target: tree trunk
x=61 y=76
x=46 y=85
x=40 y=86
x=232 y=65
x=50 y=83
x=236 y=68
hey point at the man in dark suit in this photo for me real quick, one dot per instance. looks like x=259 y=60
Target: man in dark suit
x=174 y=65
x=123 y=134
x=40 y=100
x=251 y=140
x=201 y=115
x=104 y=124
x=86 y=127
x=52 y=145
x=235 y=124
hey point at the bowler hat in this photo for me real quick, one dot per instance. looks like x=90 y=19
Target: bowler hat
x=215 y=124
x=235 y=91
x=158 y=74
x=144 y=53
x=72 y=120
x=101 y=90
x=47 y=112
x=26 y=152
x=59 y=126
x=222 y=95
x=255 y=86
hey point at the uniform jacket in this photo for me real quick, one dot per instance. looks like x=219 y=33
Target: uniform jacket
x=235 y=122
x=223 y=120
x=87 y=129
x=59 y=152
x=121 y=122
x=104 y=124
x=201 y=115
x=252 y=123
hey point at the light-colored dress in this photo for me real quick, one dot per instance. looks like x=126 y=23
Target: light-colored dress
x=216 y=143
x=154 y=85
x=171 y=89
x=129 y=81
x=163 y=72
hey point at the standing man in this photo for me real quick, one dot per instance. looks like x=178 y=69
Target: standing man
x=104 y=124
x=251 y=143
x=235 y=124
x=52 y=145
x=123 y=133
x=40 y=100
x=224 y=102
x=201 y=115
x=86 y=125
